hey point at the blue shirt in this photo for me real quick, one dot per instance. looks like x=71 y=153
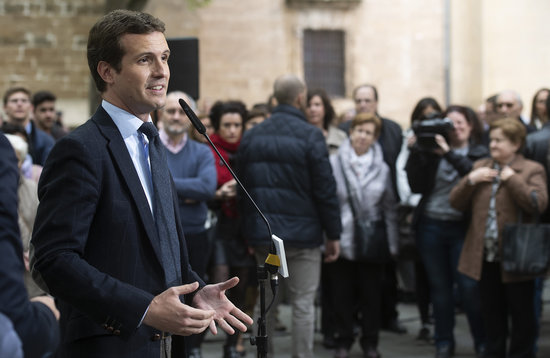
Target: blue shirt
x=128 y=126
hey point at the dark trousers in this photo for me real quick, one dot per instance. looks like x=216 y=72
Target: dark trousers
x=440 y=243
x=356 y=286
x=501 y=301
x=422 y=287
x=389 y=294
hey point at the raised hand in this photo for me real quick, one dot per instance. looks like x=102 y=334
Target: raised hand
x=212 y=298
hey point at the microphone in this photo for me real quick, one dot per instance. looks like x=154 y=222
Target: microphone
x=273 y=262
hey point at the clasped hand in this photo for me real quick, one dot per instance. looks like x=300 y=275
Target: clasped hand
x=485 y=174
x=210 y=306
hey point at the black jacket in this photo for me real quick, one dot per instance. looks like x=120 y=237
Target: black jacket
x=536 y=148
x=283 y=162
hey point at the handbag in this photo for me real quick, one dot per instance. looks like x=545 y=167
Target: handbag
x=369 y=237
x=526 y=247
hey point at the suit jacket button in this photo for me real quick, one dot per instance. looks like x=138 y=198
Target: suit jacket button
x=155 y=337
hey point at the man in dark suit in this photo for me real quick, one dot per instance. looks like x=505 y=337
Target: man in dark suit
x=34 y=322
x=111 y=252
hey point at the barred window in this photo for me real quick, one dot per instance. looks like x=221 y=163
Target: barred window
x=324 y=65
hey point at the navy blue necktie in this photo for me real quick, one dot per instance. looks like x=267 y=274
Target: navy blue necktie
x=163 y=206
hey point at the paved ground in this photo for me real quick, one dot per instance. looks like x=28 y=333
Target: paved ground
x=391 y=345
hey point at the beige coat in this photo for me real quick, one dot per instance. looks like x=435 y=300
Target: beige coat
x=513 y=194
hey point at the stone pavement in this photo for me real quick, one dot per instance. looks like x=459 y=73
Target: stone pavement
x=391 y=345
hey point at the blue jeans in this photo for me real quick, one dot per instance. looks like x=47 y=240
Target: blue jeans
x=440 y=243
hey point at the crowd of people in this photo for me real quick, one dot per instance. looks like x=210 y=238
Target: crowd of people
x=124 y=256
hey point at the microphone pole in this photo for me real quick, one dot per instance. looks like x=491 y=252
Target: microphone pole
x=272 y=262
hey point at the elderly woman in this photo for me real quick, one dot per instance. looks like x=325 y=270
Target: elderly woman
x=495 y=191
x=364 y=187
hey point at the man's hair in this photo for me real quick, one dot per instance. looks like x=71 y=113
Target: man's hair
x=516 y=96
x=41 y=97
x=104 y=38
x=366 y=86
x=13 y=90
x=192 y=103
x=287 y=88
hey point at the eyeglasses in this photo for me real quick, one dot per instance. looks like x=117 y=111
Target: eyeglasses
x=505 y=104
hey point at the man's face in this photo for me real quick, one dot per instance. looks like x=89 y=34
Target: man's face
x=174 y=118
x=508 y=105
x=140 y=86
x=44 y=113
x=18 y=108
x=365 y=101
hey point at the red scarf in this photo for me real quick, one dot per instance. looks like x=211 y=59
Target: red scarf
x=227 y=150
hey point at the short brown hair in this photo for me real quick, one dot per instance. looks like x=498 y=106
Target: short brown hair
x=363 y=118
x=104 y=38
x=13 y=90
x=512 y=129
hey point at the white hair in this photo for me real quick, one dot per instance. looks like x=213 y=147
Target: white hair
x=19 y=145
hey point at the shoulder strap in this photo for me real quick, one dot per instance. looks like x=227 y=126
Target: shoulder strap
x=347 y=187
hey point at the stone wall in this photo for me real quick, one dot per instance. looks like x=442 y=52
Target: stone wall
x=43 y=46
x=460 y=50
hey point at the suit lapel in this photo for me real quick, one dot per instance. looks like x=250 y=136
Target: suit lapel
x=122 y=160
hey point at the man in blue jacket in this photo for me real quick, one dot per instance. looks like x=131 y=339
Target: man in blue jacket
x=192 y=167
x=284 y=164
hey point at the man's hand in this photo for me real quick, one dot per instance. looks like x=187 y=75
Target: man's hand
x=332 y=250
x=212 y=298
x=167 y=313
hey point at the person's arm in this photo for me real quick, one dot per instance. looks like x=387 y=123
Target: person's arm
x=420 y=170
x=202 y=186
x=462 y=163
x=389 y=209
x=323 y=186
x=35 y=322
x=462 y=193
x=521 y=188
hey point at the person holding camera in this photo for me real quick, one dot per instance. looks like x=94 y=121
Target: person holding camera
x=443 y=150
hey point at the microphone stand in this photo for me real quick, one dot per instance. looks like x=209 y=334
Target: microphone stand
x=272 y=262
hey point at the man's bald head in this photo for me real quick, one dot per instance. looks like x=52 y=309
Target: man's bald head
x=287 y=89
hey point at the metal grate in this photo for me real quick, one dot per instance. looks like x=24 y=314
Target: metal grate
x=324 y=65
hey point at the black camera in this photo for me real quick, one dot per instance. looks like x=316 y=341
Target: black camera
x=425 y=131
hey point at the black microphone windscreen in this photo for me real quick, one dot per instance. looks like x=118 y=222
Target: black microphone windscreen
x=192 y=117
